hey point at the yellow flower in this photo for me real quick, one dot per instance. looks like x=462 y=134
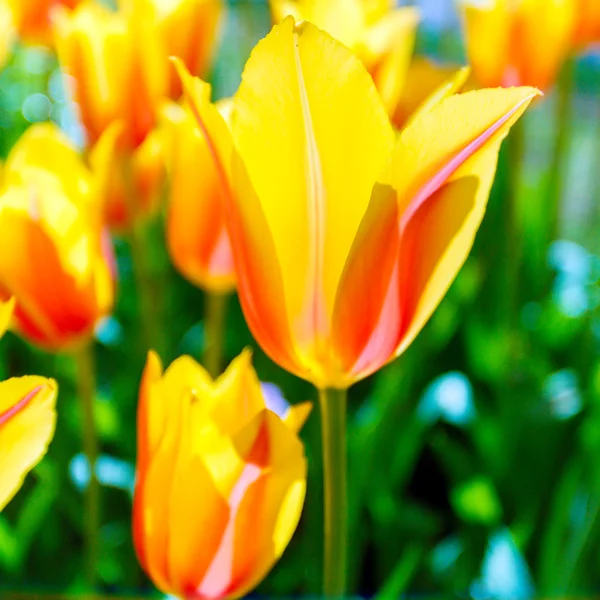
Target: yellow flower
x=27 y=420
x=381 y=35
x=345 y=239
x=220 y=479
x=56 y=260
x=518 y=42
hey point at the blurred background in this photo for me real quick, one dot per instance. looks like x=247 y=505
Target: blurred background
x=474 y=459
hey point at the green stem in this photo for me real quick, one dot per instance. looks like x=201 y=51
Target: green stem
x=558 y=167
x=86 y=391
x=333 y=430
x=214 y=329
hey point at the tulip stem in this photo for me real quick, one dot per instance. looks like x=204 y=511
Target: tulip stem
x=333 y=431
x=215 y=307
x=86 y=391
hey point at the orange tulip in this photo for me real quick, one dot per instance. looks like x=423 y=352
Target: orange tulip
x=56 y=261
x=27 y=420
x=381 y=35
x=220 y=479
x=518 y=42
x=587 y=23
x=344 y=239
x=196 y=235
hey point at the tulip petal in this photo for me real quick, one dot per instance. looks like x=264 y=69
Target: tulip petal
x=296 y=416
x=27 y=421
x=311 y=157
x=259 y=274
x=442 y=169
x=6 y=312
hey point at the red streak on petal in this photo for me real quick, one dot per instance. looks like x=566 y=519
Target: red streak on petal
x=19 y=406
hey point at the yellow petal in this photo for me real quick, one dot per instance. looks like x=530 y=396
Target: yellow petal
x=27 y=420
x=6 y=311
x=312 y=130
x=454 y=145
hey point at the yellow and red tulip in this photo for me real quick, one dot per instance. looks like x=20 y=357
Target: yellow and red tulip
x=130 y=182
x=344 y=239
x=196 y=234
x=220 y=479
x=56 y=260
x=27 y=420
x=518 y=42
x=381 y=35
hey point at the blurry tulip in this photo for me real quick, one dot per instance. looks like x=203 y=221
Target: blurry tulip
x=196 y=235
x=344 y=240
x=119 y=69
x=32 y=18
x=220 y=479
x=518 y=42
x=27 y=421
x=130 y=184
x=381 y=35
x=56 y=260
x=8 y=32
x=587 y=23
x=189 y=30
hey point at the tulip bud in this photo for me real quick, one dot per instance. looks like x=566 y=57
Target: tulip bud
x=56 y=261
x=220 y=479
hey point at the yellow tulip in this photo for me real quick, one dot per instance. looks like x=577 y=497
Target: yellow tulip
x=196 y=234
x=518 y=42
x=382 y=36
x=27 y=420
x=344 y=239
x=8 y=32
x=56 y=260
x=220 y=479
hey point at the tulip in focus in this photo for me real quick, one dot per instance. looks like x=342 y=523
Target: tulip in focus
x=518 y=42
x=196 y=234
x=56 y=259
x=220 y=479
x=27 y=419
x=381 y=35
x=344 y=239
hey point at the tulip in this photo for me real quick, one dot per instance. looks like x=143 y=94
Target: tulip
x=587 y=25
x=8 y=33
x=381 y=35
x=189 y=29
x=32 y=18
x=196 y=235
x=27 y=420
x=339 y=278
x=56 y=260
x=518 y=42
x=220 y=479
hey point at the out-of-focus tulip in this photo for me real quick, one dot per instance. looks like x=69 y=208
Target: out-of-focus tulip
x=196 y=234
x=32 y=18
x=381 y=35
x=56 y=260
x=190 y=30
x=220 y=479
x=119 y=70
x=27 y=421
x=587 y=23
x=8 y=32
x=130 y=183
x=518 y=42
x=344 y=239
